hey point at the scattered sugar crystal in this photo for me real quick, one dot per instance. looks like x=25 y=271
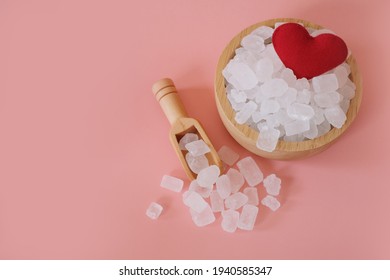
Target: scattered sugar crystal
x=274 y=87
x=230 y=220
x=245 y=113
x=208 y=176
x=216 y=201
x=223 y=186
x=268 y=139
x=271 y=202
x=242 y=76
x=248 y=217
x=236 y=201
x=172 y=183
x=236 y=179
x=154 y=210
x=196 y=164
x=300 y=111
x=325 y=83
x=296 y=127
x=187 y=138
x=335 y=116
x=326 y=100
x=264 y=69
x=253 y=43
x=204 y=192
x=264 y=32
x=269 y=106
x=272 y=184
x=195 y=201
x=227 y=155
x=204 y=218
x=197 y=148
x=250 y=171
x=251 y=193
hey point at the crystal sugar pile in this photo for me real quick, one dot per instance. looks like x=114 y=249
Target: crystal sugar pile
x=268 y=97
x=234 y=196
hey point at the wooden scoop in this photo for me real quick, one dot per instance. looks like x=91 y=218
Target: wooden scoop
x=166 y=94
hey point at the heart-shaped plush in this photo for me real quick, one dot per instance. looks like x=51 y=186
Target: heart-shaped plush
x=308 y=56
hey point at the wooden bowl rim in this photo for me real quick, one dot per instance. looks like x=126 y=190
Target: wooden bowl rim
x=282 y=146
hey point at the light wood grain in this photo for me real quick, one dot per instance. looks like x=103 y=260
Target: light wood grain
x=247 y=137
x=170 y=102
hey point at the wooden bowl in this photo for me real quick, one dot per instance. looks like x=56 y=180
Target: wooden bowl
x=247 y=136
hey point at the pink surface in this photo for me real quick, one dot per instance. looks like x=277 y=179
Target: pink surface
x=84 y=144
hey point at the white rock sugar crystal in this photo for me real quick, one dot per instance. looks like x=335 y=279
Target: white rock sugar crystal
x=325 y=83
x=227 y=155
x=216 y=201
x=197 y=148
x=223 y=186
x=187 y=138
x=236 y=201
x=172 y=183
x=272 y=184
x=203 y=218
x=251 y=172
x=253 y=196
x=230 y=220
x=236 y=179
x=154 y=210
x=264 y=93
x=208 y=176
x=248 y=217
x=268 y=138
x=194 y=201
x=271 y=202
x=196 y=163
x=204 y=192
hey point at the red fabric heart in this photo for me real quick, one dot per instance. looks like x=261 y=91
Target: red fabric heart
x=308 y=56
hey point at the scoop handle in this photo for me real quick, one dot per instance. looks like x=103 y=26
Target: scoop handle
x=166 y=94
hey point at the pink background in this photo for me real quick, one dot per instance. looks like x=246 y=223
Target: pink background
x=84 y=144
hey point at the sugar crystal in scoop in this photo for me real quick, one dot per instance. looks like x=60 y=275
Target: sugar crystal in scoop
x=268 y=139
x=236 y=200
x=251 y=193
x=230 y=219
x=272 y=184
x=271 y=202
x=172 y=183
x=227 y=155
x=197 y=148
x=325 y=83
x=250 y=171
x=194 y=201
x=248 y=217
x=223 y=186
x=187 y=138
x=154 y=210
x=216 y=202
x=196 y=163
x=236 y=179
x=208 y=176
x=203 y=218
